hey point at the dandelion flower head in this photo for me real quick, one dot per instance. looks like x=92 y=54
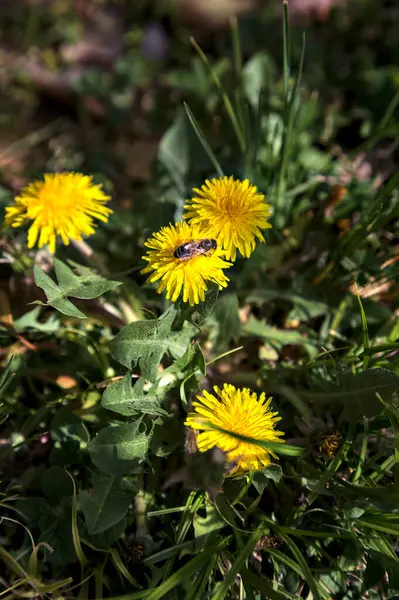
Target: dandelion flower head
x=188 y=277
x=238 y=411
x=63 y=204
x=231 y=211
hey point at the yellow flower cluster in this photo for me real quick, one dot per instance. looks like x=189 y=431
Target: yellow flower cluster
x=224 y=217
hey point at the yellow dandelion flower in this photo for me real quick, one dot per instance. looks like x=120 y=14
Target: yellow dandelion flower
x=233 y=212
x=182 y=263
x=63 y=204
x=239 y=411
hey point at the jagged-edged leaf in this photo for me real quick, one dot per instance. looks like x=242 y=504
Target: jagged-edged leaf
x=82 y=283
x=279 y=337
x=119 y=450
x=198 y=313
x=125 y=399
x=108 y=503
x=192 y=359
x=143 y=344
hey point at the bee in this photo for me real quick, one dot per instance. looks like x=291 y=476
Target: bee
x=191 y=249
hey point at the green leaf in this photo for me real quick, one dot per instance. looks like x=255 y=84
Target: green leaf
x=127 y=400
x=143 y=344
x=173 y=152
x=198 y=313
x=83 y=284
x=110 y=536
x=205 y=526
x=192 y=359
x=374 y=572
x=306 y=304
x=392 y=567
x=108 y=503
x=227 y=320
x=278 y=337
x=358 y=393
x=70 y=438
x=385 y=494
x=119 y=450
x=56 y=484
x=30 y=320
x=261 y=479
x=256 y=76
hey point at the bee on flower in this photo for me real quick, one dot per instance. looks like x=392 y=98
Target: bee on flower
x=63 y=204
x=182 y=260
x=232 y=212
x=232 y=411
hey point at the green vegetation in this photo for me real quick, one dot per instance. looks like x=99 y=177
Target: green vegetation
x=102 y=493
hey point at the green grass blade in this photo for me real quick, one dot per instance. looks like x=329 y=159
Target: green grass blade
x=302 y=562
x=289 y=119
x=363 y=453
x=380 y=524
x=286 y=51
x=184 y=573
x=6 y=377
x=239 y=562
x=74 y=524
x=373 y=218
x=277 y=447
x=202 y=581
x=225 y=99
x=365 y=332
x=120 y=567
x=194 y=502
x=201 y=137
x=260 y=584
x=379 y=131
